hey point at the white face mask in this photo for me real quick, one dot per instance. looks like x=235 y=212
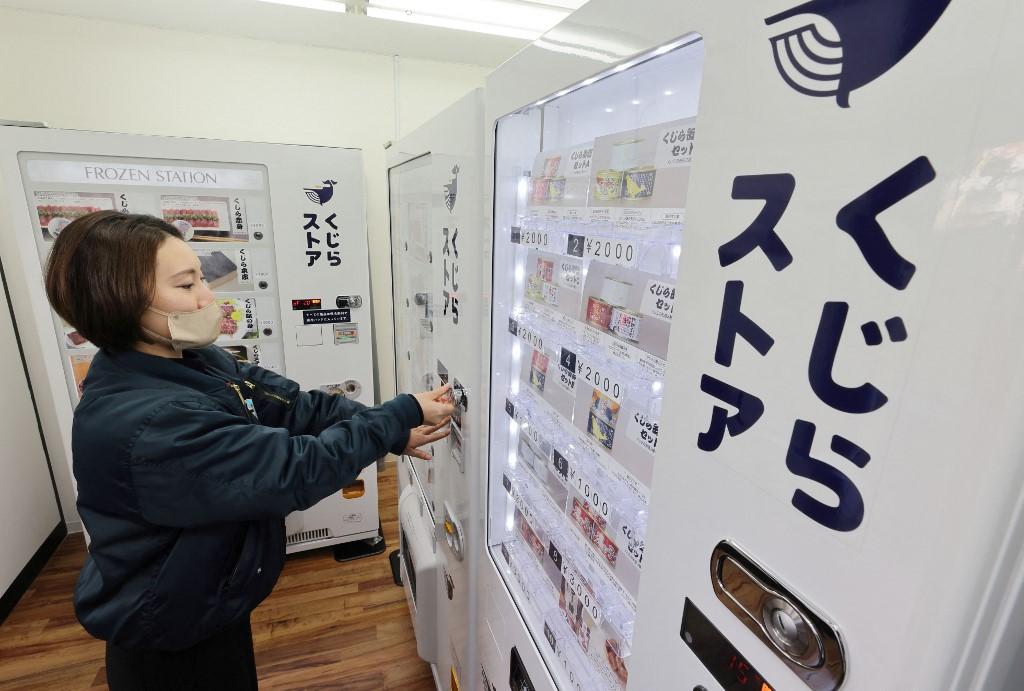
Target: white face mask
x=196 y=329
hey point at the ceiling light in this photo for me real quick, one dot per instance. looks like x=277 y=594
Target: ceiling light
x=668 y=92
x=512 y=18
x=635 y=101
x=609 y=110
x=325 y=5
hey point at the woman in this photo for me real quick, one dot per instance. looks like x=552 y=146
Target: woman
x=187 y=460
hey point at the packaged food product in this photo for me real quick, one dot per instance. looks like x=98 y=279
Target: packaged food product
x=599 y=312
x=615 y=292
x=540 y=190
x=551 y=165
x=639 y=183
x=609 y=185
x=546 y=269
x=625 y=323
x=556 y=189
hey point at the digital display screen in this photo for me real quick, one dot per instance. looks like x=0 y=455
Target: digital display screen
x=715 y=652
x=307 y=304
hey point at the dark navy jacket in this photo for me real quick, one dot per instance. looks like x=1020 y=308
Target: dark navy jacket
x=183 y=488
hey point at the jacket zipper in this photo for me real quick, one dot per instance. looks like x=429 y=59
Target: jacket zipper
x=267 y=394
x=247 y=406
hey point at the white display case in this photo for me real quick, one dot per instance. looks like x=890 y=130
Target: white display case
x=412 y=278
x=589 y=225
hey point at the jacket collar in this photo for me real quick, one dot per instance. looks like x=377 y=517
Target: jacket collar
x=166 y=369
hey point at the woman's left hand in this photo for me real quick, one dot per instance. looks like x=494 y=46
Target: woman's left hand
x=423 y=435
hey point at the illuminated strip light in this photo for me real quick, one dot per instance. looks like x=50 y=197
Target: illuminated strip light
x=450 y=23
x=495 y=17
x=325 y=5
x=621 y=67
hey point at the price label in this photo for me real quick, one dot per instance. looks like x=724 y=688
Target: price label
x=601 y=379
x=533 y=434
x=598 y=502
x=578 y=589
x=531 y=337
x=659 y=299
x=517 y=497
x=611 y=251
x=540 y=239
x=643 y=430
x=676 y=144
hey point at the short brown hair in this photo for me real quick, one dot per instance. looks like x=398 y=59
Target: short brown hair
x=101 y=272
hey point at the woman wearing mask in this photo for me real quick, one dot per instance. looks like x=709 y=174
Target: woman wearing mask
x=187 y=461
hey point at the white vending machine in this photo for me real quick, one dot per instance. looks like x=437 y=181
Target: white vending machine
x=809 y=475
x=438 y=236
x=281 y=234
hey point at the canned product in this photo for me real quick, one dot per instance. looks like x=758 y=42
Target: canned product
x=551 y=166
x=615 y=292
x=599 y=312
x=625 y=323
x=540 y=190
x=639 y=183
x=556 y=189
x=609 y=185
x=535 y=288
x=546 y=270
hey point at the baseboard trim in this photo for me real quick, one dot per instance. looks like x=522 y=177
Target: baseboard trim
x=28 y=574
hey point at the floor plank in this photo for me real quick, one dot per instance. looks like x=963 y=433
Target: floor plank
x=326 y=625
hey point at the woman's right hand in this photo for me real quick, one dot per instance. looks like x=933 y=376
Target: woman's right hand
x=436 y=405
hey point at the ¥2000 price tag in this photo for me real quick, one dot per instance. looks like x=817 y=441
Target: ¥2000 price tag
x=601 y=379
x=611 y=251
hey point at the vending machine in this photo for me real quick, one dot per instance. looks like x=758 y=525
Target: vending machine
x=809 y=475
x=438 y=235
x=280 y=232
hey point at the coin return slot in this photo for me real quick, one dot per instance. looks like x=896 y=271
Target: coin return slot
x=808 y=644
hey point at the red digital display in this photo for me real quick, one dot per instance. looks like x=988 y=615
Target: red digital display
x=307 y=304
x=733 y=671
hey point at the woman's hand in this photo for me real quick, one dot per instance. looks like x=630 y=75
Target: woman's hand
x=436 y=405
x=423 y=435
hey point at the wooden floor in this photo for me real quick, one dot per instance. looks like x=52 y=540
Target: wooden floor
x=326 y=625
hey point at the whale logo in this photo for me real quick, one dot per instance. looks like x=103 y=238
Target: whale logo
x=451 y=190
x=833 y=47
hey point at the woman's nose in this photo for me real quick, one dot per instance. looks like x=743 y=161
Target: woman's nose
x=206 y=296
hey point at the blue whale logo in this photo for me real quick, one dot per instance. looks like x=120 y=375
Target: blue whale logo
x=832 y=47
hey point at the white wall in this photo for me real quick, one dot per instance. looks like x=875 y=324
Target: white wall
x=86 y=74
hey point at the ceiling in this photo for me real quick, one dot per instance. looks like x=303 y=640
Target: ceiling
x=261 y=20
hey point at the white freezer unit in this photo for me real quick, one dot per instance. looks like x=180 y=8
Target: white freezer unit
x=280 y=231
x=834 y=497
x=438 y=233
